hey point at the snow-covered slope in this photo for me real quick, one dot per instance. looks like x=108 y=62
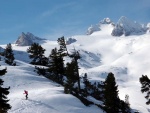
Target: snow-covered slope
x=126 y=57
x=45 y=96
x=28 y=39
x=100 y=26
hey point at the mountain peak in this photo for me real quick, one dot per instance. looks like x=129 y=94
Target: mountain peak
x=127 y=27
x=98 y=27
x=106 y=21
x=26 y=39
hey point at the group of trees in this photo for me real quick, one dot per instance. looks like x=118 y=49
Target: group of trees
x=9 y=59
x=68 y=76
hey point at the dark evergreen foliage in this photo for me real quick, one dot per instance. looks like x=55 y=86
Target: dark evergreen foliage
x=111 y=99
x=86 y=84
x=95 y=90
x=56 y=66
x=75 y=56
x=9 y=56
x=71 y=76
x=63 y=48
x=124 y=107
x=112 y=103
x=4 y=106
x=145 y=82
x=40 y=70
x=37 y=54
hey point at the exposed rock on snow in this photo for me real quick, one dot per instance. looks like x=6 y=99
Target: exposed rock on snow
x=27 y=39
x=92 y=29
x=148 y=28
x=126 y=27
x=70 y=40
x=106 y=21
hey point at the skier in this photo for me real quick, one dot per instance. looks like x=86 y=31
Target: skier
x=26 y=93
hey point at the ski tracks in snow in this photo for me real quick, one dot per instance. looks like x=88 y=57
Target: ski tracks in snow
x=26 y=106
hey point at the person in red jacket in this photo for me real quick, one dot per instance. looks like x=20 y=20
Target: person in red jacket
x=26 y=94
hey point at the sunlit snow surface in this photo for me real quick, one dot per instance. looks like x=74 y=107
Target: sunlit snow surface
x=127 y=57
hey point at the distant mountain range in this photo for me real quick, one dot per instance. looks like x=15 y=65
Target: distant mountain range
x=124 y=26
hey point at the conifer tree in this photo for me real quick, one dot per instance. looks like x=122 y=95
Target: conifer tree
x=4 y=106
x=63 y=48
x=86 y=84
x=145 y=82
x=75 y=57
x=37 y=54
x=111 y=99
x=8 y=54
x=56 y=66
x=71 y=77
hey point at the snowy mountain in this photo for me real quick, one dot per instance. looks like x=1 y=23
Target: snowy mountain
x=124 y=26
x=27 y=39
x=101 y=53
x=99 y=27
x=127 y=27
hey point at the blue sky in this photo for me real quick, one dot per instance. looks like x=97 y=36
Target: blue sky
x=52 y=19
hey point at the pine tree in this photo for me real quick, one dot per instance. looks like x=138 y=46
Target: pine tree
x=63 y=48
x=145 y=82
x=4 y=106
x=111 y=99
x=86 y=84
x=37 y=54
x=8 y=54
x=75 y=57
x=56 y=66
x=71 y=77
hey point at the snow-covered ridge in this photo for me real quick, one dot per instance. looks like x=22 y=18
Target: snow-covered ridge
x=27 y=39
x=98 y=27
x=124 y=26
x=127 y=27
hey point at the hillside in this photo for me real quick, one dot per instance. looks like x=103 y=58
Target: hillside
x=126 y=56
x=44 y=95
